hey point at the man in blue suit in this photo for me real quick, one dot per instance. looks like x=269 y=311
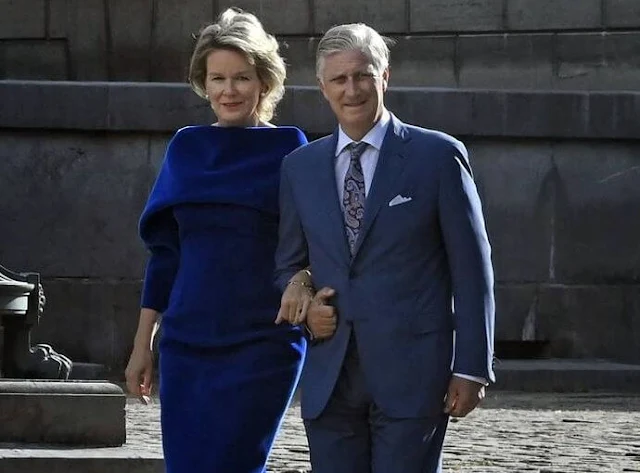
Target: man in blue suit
x=388 y=217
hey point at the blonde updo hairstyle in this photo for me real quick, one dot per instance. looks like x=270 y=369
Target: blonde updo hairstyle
x=242 y=32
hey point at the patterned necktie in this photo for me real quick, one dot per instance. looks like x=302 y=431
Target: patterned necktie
x=353 y=196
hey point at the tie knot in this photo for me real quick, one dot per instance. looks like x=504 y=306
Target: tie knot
x=356 y=150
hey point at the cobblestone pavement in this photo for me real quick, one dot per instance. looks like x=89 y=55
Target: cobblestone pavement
x=511 y=432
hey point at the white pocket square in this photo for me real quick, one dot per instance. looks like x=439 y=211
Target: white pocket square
x=399 y=199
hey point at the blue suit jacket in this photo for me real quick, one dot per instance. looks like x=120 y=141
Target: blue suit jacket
x=410 y=260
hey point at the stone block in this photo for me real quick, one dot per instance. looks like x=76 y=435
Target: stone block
x=144 y=106
x=385 y=16
x=59 y=105
x=130 y=33
x=37 y=60
x=597 y=197
x=22 y=19
x=621 y=13
x=277 y=16
x=489 y=113
x=568 y=376
x=553 y=14
x=175 y=25
x=62 y=413
x=456 y=15
x=598 y=61
x=423 y=61
x=58 y=18
x=157 y=148
x=87 y=40
x=622 y=56
x=73 y=203
x=580 y=60
x=507 y=61
x=91 y=321
x=514 y=305
x=450 y=111
x=613 y=114
x=589 y=322
x=284 y=112
x=547 y=114
x=311 y=112
x=515 y=182
x=164 y=107
x=300 y=56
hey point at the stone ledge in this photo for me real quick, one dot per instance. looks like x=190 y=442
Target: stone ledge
x=566 y=375
x=165 y=107
x=62 y=412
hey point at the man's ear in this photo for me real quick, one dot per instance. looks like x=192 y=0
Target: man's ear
x=321 y=85
x=385 y=78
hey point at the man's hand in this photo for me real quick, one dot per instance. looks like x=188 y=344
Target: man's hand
x=321 y=317
x=463 y=396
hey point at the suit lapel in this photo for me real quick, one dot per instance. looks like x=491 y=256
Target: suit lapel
x=390 y=167
x=325 y=182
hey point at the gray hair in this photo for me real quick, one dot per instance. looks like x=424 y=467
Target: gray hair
x=242 y=32
x=354 y=36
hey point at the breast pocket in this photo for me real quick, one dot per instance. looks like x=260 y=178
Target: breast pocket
x=406 y=215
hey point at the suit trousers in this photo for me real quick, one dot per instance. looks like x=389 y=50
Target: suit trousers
x=353 y=435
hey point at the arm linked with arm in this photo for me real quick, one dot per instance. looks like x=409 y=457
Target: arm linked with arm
x=291 y=254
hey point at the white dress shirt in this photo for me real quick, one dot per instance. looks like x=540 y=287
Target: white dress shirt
x=369 y=161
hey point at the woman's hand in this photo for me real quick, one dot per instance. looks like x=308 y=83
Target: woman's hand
x=294 y=303
x=139 y=373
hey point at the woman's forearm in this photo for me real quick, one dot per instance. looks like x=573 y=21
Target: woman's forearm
x=147 y=327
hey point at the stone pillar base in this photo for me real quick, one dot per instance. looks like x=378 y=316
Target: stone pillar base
x=71 y=413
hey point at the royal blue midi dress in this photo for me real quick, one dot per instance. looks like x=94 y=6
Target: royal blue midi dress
x=227 y=372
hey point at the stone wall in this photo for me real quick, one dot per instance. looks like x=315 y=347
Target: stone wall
x=558 y=174
x=530 y=44
x=544 y=92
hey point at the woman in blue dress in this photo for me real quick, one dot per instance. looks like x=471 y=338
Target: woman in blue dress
x=227 y=371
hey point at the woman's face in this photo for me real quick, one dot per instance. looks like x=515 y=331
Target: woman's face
x=233 y=88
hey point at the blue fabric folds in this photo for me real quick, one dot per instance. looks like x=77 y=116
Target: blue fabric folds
x=210 y=224
x=227 y=372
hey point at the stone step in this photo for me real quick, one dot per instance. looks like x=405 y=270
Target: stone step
x=566 y=375
x=82 y=462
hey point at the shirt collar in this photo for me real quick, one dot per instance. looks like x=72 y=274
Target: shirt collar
x=374 y=137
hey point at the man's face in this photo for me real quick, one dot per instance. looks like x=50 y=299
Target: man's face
x=354 y=90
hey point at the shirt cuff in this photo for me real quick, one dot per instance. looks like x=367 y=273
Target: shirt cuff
x=477 y=379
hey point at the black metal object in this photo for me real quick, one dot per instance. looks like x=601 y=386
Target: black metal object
x=18 y=358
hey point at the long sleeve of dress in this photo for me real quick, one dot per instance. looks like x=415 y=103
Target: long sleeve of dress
x=164 y=247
